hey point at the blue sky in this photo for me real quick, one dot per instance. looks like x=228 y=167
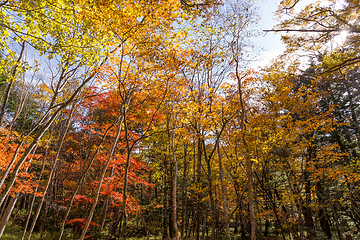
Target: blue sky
x=270 y=42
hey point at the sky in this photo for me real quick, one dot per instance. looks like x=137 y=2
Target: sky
x=270 y=42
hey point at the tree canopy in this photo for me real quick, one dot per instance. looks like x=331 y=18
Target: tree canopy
x=143 y=120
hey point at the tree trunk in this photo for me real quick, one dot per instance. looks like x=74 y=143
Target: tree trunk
x=8 y=88
x=224 y=193
x=323 y=215
x=7 y=213
x=35 y=191
x=174 y=187
x=62 y=139
x=165 y=235
x=251 y=199
x=184 y=204
x=248 y=162
x=89 y=218
x=43 y=219
x=335 y=216
x=198 y=196
x=211 y=194
x=127 y=166
x=80 y=183
x=307 y=212
x=43 y=127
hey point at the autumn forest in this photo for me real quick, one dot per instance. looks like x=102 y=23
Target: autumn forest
x=142 y=119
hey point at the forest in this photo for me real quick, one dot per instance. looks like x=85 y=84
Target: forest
x=142 y=119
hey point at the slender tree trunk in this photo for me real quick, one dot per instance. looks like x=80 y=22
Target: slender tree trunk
x=51 y=172
x=124 y=216
x=335 y=216
x=19 y=108
x=105 y=206
x=9 y=209
x=248 y=162
x=198 y=197
x=34 y=197
x=80 y=183
x=7 y=213
x=224 y=193
x=8 y=88
x=299 y=203
x=44 y=126
x=307 y=212
x=7 y=199
x=184 y=204
x=251 y=199
x=43 y=218
x=165 y=234
x=12 y=178
x=89 y=218
x=323 y=215
x=174 y=205
x=205 y=231
x=211 y=194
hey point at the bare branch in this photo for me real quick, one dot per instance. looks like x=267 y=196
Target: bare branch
x=311 y=30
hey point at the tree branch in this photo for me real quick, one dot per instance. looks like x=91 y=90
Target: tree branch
x=310 y=30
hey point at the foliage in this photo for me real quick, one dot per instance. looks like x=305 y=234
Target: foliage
x=124 y=119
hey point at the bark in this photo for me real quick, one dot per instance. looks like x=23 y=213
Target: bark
x=224 y=193
x=8 y=88
x=124 y=215
x=62 y=139
x=165 y=234
x=7 y=213
x=105 y=205
x=211 y=194
x=4 y=205
x=89 y=218
x=20 y=107
x=251 y=199
x=323 y=215
x=174 y=187
x=299 y=202
x=42 y=130
x=198 y=197
x=248 y=162
x=78 y=186
x=43 y=218
x=184 y=193
x=34 y=197
x=335 y=216
x=307 y=212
